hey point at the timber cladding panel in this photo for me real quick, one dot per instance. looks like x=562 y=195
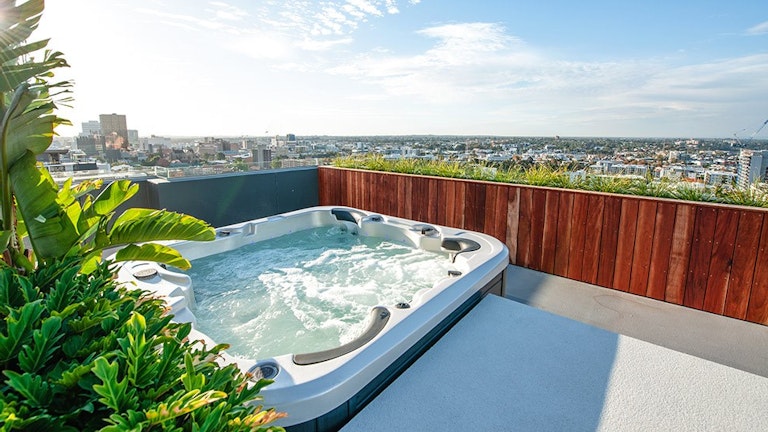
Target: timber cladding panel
x=705 y=256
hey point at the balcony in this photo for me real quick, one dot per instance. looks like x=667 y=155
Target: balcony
x=647 y=313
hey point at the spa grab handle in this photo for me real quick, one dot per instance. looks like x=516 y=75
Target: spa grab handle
x=346 y=215
x=459 y=245
x=379 y=315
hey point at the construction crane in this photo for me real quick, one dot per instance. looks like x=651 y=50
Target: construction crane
x=757 y=131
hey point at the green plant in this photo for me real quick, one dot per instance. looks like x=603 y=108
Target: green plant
x=98 y=227
x=540 y=175
x=79 y=352
x=27 y=102
x=553 y=176
x=692 y=193
x=53 y=219
x=753 y=196
x=661 y=189
x=606 y=184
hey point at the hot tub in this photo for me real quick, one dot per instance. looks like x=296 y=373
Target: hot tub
x=321 y=390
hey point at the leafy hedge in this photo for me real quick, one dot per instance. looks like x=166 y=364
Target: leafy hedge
x=81 y=353
x=541 y=175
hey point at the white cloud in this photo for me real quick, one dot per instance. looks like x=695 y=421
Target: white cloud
x=391 y=6
x=339 y=17
x=468 y=43
x=179 y=24
x=186 y=21
x=356 y=13
x=324 y=45
x=485 y=36
x=467 y=59
x=277 y=30
x=228 y=12
x=453 y=78
x=480 y=65
x=332 y=21
x=264 y=45
x=759 y=29
x=728 y=81
x=365 y=6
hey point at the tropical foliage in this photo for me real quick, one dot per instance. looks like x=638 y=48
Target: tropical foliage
x=67 y=221
x=542 y=175
x=81 y=353
x=26 y=117
x=78 y=351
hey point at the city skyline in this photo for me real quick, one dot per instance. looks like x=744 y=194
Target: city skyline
x=390 y=67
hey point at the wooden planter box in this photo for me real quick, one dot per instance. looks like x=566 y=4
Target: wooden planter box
x=710 y=257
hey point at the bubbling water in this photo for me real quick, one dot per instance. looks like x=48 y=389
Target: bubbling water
x=307 y=291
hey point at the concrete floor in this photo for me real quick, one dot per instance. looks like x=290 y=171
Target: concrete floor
x=720 y=339
x=507 y=366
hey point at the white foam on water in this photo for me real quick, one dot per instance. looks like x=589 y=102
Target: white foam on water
x=307 y=291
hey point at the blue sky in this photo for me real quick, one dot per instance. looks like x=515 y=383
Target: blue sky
x=375 y=67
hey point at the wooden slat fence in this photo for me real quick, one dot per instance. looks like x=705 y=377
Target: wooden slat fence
x=705 y=256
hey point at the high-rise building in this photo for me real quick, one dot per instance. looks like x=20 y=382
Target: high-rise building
x=753 y=167
x=262 y=156
x=155 y=143
x=133 y=137
x=91 y=128
x=91 y=145
x=113 y=127
x=226 y=146
x=247 y=144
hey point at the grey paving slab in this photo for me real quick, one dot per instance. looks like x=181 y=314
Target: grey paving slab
x=724 y=340
x=509 y=366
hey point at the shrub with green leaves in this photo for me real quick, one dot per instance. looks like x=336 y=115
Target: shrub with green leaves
x=544 y=175
x=81 y=353
x=77 y=351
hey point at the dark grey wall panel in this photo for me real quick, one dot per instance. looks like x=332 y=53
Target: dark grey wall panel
x=143 y=198
x=298 y=189
x=231 y=198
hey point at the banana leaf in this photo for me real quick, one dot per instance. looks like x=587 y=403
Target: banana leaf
x=50 y=229
x=139 y=225
x=152 y=252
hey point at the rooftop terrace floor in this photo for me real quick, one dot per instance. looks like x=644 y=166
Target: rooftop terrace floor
x=731 y=342
x=582 y=358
